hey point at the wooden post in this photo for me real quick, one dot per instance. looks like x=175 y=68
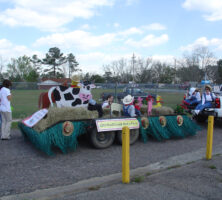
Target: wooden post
x=125 y=155
x=210 y=137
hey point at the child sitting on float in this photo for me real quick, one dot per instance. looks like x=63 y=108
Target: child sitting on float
x=193 y=97
x=128 y=107
x=107 y=103
x=137 y=107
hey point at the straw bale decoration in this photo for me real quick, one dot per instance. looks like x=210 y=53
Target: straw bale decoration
x=163 y=121
x=67 y=128
x=179 y=120
x=145 y=122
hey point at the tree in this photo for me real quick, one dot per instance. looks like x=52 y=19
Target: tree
x=190 y=73
x=108 y=76
x=96 y=78
x=20 y=69
x=72 y=64
x=143 y=70
x=219 y=65
x=36 y=62
x=204 y=57
x=1 y=68
x=117 y=70
x=199 y=60
x=54 y=59
x=51 y=74
x=162 y=73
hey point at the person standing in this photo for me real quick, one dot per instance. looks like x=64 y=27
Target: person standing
x=5 y=109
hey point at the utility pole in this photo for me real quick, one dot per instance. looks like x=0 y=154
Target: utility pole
x=133 y=60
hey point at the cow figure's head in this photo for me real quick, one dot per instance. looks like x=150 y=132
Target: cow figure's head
x=85 y=91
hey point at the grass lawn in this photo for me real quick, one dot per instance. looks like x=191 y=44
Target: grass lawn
x=25 y=102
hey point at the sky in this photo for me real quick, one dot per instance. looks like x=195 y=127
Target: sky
x=98 y=32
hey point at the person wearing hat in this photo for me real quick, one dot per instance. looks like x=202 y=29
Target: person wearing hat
x=207 y=98
x=193 y=98
x=128 y=107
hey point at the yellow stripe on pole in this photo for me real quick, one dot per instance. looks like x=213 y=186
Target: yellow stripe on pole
x=125 y=155
x=210 y=137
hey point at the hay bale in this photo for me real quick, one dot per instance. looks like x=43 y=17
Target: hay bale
x=56 y=115
x=164 y=110
x=106 y=111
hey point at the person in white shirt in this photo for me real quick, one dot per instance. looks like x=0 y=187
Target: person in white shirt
x=5 y=109
x=207 y=98
x=194 y=97
x=107 y=103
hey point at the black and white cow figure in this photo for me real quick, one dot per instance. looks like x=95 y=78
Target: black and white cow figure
x=71 y=97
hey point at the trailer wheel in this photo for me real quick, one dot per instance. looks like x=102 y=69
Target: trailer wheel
x=201 y=118
x=101 y=140
x=134 y=135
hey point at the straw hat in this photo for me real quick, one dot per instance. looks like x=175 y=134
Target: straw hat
x=209 y=87
x=75 y=78
x=67 y=128
x=128 y=99
x=145 y=122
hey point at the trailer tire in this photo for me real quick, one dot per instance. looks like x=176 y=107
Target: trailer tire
x=101 y=140
x=134 y=135
x=201 y=118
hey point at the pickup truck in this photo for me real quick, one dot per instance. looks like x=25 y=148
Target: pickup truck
x=216 y=111
x=133 y=91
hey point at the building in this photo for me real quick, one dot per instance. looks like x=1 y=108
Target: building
x=47 y=83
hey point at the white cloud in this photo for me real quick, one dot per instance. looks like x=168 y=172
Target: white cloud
x=49 y=15
x=212 y=8
x=164 y=58
x=154 y=26
x=85 y=27
x=79 y=39
x=116 y=25
x=142 y=29
x=131 y=2
x=9 y=50
x=148 y=41
x=215 y=43
x=93 y=62
x=131 y=31
x=85 y=40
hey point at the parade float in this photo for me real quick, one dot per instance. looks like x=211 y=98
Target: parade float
x=65 y=116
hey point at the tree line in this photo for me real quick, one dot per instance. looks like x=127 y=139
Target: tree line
x=194 y=66
x=30 y=69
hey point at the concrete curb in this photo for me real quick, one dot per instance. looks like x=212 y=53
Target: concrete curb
x=97 y=182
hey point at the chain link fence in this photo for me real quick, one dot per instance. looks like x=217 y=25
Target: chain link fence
x=150 y=86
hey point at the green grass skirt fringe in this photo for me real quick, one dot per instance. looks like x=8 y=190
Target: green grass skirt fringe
x=171 y=130
x=53 y=136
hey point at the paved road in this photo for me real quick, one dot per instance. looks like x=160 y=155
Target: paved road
x=201 y=180
x=24 y=168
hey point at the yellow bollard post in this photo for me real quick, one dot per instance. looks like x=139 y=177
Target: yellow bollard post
x=210 y=137
x=125 y=155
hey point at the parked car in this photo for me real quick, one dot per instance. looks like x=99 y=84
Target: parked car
x=184 y=86
x=133 y=91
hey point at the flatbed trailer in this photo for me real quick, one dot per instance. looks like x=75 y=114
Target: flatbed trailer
x=64 y=133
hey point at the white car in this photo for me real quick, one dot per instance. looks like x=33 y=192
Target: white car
x=216 y=111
